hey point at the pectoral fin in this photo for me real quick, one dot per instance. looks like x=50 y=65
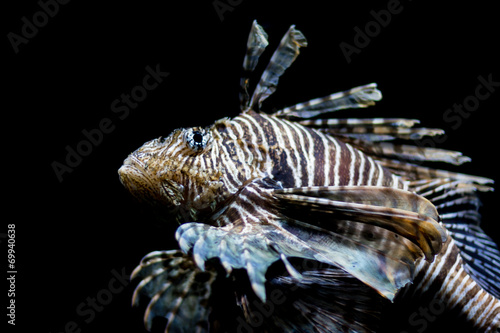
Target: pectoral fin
x=376 y=234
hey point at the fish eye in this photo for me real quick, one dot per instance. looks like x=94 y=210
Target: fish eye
x=196 y=139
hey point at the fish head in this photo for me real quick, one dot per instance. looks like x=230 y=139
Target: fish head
x=176 y=173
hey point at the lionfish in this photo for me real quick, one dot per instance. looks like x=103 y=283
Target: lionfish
x=292 y=221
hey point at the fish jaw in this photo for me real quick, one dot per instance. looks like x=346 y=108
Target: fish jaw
x=147 y=187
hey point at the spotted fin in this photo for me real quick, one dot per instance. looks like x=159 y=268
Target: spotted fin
x=377 y=245
x=175 y=289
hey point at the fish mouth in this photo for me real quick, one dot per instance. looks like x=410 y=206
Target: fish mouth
x=143 y=185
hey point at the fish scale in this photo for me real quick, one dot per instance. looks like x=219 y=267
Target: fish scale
x=339 y=203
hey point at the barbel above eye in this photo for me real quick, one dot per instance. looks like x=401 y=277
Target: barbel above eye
x=196 y=138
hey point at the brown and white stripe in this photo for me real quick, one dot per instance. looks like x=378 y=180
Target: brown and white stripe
x=299 y=156
x=296 y=155
x=231 y=177
x=446 y=280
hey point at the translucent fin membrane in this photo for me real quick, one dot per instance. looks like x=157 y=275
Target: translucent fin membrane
x=283 y=57
x=257 y=42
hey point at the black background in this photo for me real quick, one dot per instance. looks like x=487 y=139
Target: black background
x=72 y=234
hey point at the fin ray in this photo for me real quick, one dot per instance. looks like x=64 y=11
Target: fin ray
x=363 y=239
x=359 y=97
x=167 y=281
x=283 y=57
x=256 y=44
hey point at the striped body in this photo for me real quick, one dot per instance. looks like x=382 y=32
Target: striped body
x=293 y=154
x=300 y=161
x=247 y=147
x=257 y=190
x=446 y=281
x=255 y=145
